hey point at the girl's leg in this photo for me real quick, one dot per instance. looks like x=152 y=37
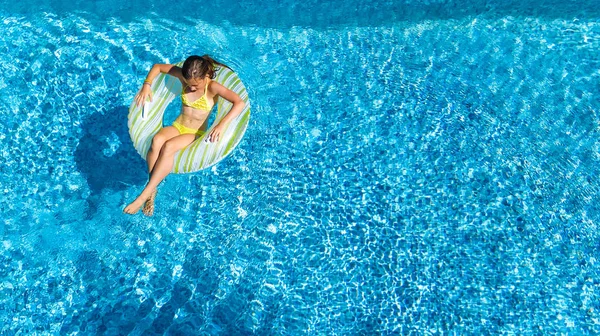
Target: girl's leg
x=162 y=168
x=158 y=141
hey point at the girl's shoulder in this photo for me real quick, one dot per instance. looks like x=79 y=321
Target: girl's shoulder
x=213 y=87
x=175 y=71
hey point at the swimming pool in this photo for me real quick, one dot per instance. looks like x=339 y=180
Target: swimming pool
x=409 y=168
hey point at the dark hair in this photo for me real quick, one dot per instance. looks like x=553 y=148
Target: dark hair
x=199 y=67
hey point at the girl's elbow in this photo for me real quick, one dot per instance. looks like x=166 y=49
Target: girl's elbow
x=241 y=103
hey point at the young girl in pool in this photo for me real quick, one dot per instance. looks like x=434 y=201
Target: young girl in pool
x=198 y=96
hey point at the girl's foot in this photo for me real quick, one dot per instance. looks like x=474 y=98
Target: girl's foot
x=148 y=209
x=135 y=206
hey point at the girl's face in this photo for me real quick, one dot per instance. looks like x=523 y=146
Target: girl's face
x=195 y=83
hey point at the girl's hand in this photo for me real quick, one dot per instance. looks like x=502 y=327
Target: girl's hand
x=145 y=92
x=215 y=134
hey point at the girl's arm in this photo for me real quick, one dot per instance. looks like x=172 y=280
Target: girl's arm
x=145 y=91
x=236 y=109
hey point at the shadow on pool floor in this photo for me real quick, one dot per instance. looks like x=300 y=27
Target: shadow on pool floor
x=106 y=157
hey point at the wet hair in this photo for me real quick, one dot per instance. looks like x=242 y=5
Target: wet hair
x=199 y=67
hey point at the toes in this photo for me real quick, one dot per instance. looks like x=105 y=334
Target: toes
x=131 y=209
x=135 y=206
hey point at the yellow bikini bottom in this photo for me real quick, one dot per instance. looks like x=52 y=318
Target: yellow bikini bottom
x=186 y=130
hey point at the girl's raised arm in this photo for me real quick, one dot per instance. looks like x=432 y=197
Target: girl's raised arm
x=145 y=91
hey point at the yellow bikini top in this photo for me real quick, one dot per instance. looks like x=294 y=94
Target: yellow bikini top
x=200 y=103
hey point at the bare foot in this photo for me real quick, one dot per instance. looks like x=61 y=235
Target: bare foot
x=148 y=209
x=135 y=206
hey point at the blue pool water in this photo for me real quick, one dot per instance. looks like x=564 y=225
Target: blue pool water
x=409 y=168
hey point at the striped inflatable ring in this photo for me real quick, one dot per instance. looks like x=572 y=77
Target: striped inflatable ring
x=145 y=122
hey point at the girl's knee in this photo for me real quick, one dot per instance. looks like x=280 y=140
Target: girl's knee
x=173 y=145
x=169 y=147
x=158 y=141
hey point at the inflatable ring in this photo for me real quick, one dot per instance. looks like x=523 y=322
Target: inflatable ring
x=145 y=122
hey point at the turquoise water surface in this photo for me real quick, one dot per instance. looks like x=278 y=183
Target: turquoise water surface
x=409 y=168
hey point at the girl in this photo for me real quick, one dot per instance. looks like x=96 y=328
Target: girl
x=198 y=96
